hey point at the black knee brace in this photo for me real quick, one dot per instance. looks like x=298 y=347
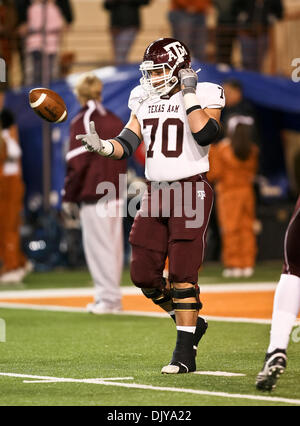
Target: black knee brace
x=157 y=296
x=185 y=293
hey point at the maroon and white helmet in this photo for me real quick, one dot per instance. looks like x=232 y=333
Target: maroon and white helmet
x=168 y=55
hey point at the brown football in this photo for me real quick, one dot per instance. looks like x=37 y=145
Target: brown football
x=48 y=105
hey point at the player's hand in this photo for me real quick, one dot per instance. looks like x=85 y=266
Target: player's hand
x=91 y=141
x=70 y=215
x=188 y=80
x=70 y=210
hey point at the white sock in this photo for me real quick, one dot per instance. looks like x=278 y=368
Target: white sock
x=285 y=311
x=186 y=329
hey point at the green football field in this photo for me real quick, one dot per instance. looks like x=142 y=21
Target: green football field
x=130 y=351
x=66 y=358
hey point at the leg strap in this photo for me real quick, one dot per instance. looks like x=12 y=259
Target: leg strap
x=156 y=295
x=187 y=306
x=185 y=293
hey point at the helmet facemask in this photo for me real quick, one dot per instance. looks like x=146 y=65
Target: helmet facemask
x=160 y=85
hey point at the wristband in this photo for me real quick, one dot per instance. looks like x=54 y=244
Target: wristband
x=107 y=149
x=191 y=101
x=193 y=108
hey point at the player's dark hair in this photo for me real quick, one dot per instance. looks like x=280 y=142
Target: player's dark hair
x=241 y=141
x=236 y=84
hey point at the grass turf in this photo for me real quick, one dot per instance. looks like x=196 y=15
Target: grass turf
x=81 y=346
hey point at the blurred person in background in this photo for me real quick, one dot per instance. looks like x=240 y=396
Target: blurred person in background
x=254 y=19
x=234 y=163
x=22 y=6
x=102 y=236
x=14 y=264
x=236 y=104
x=8 y=23
x=188 y=22
x=45 y=24
x=225 y=31
x=65 y=7
x=125 y=22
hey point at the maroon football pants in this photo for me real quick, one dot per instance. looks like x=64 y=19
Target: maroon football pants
x=292 y=245
x=180 y=237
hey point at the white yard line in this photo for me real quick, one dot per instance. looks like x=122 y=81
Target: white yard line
x=52 y=308
x=8 y=305
x=55 y=292
x=106 y=382
x=238 y=287
x=219 y=374
x=87 y=291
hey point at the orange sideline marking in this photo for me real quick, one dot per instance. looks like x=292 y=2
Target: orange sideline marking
x=235 y=304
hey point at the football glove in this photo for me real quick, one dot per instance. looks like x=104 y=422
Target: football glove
x=93 y=143
x=188 y=80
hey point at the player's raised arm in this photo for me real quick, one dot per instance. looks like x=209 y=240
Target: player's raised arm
x=204 y=123
x=119 y=148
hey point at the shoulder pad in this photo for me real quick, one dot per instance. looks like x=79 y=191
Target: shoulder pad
x=136 y=98
x=211 y=95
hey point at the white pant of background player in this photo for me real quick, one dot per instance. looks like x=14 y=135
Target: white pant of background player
x=104 y=252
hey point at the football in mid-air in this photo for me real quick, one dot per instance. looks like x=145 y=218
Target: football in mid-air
x=48 y=105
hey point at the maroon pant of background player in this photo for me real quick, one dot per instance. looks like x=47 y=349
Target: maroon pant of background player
x=153 y=239
x=292 y=244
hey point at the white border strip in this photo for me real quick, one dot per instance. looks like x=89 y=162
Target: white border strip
x=52 y=308
x=131 y=290
x=55 y=292
x=40 y=307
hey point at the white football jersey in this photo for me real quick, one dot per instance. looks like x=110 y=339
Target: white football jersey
x=172 y=152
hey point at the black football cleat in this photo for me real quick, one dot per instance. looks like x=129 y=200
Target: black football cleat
x=183 y=360
x=178 y=367
x=199 y=333
x=274 y=367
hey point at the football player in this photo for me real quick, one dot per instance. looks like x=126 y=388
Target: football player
x=286 y=308
x=177 y=118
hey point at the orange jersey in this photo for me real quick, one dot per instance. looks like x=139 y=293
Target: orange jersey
x=2 y=155
x=11 y=152
x=197 y=5
x=229 y=172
